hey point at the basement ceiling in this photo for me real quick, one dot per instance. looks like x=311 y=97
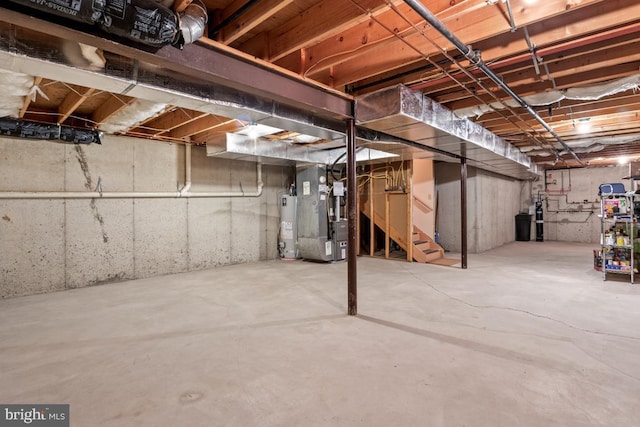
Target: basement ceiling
x=576 y=62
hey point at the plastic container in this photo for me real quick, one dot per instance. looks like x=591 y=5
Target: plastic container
x=523 y=227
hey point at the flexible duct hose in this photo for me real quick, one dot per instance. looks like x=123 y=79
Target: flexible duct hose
x=143 y=21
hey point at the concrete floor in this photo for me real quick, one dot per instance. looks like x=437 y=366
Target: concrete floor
x=529 y=335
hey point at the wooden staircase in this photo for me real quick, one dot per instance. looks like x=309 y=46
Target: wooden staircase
x=425 y=249
x=397 y=199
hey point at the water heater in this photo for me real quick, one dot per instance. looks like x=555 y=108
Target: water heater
x=288 y=236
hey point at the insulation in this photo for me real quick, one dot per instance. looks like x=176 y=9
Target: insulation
x=140 y=110
x=586 y=145
x=47 y=131
x=588 y=93
x=13 y=88
x=144 y=21
x=85 y=11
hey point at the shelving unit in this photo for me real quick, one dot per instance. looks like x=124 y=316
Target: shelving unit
x=618 y=235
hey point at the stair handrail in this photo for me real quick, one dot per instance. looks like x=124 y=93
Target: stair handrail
x=421 y=204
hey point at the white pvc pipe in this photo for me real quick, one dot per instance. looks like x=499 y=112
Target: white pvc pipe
x=183 y=193
x=187 y=170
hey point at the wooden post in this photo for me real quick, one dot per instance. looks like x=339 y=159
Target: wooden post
x=387 y=216
x=372 y=223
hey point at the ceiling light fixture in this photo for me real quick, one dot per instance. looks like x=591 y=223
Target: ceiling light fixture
x=583 y=125
x=530 y=1
x=252 y=131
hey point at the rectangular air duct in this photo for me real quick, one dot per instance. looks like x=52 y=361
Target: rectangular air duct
x=410 y=115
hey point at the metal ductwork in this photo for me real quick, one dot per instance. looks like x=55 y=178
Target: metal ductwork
x=46 y=58
x=474 y=57
x=193 y=22
x=407 y=114
x=143 y=21
x=241 y=147
x=47 y=131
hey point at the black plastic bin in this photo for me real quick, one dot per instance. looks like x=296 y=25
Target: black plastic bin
x=523 y=227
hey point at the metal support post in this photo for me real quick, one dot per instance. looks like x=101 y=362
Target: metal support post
x=352 y=215
x=463 y=210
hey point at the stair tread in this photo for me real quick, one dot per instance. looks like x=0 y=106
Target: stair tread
x=429 y=251
x=418 y=242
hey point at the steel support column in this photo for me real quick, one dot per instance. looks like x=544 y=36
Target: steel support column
x=352 y=216
x=463 y=211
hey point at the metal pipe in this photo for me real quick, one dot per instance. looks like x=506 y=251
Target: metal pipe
x=474 y=58
x=512 y=21
x=240 y=11
x=193 y=21
x=352 y=219
x=379 y=136
x=133 y=195
x=463 y=211
x=532 y=49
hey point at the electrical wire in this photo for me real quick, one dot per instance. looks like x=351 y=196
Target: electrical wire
x=532 y=134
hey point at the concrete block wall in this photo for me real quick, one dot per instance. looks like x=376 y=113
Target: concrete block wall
x=51 y=245
x=493 y=201
x=571 y=207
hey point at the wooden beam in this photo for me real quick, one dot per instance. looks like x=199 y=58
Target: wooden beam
x=626 y=101
x=209 y=137
x=113 y=105
x=458 y=99
x=323 y=20
x=27 y=99
x=215 y=63
x=181 y=5
x=169 y=121
x=204 y=124
x=72 y=101
x=360 y=40
x=483 y=24
x=604 y=53
x=251 y=19
x=502 y=127
x=555 y=49
x=622 y=120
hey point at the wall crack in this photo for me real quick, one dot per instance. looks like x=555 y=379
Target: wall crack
x=84 y=165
